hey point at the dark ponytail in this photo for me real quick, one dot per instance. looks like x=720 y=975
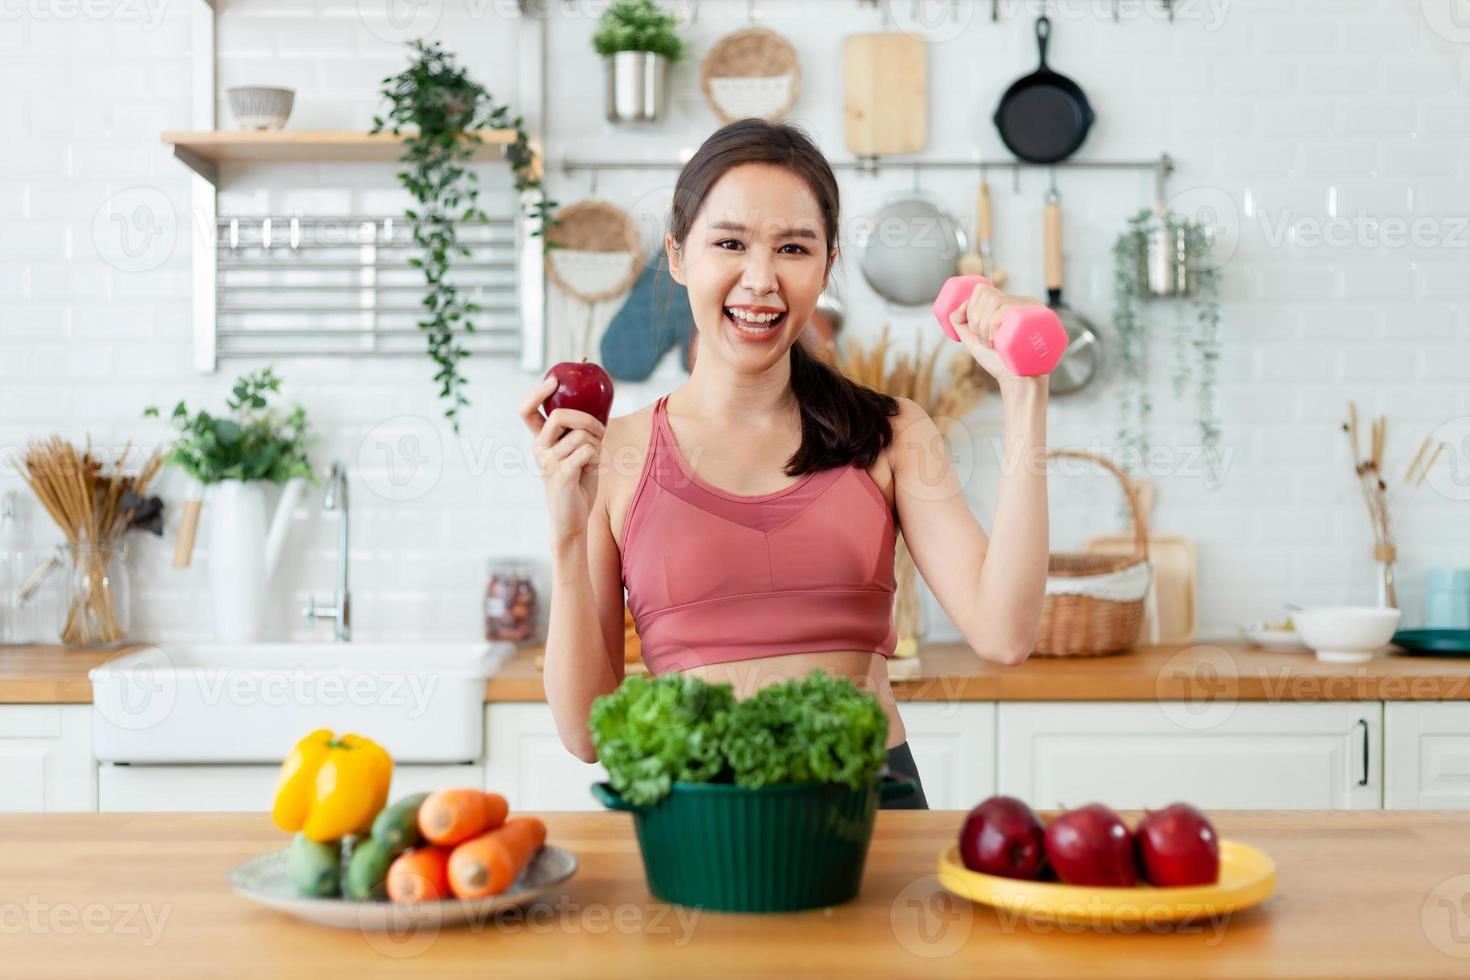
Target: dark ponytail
x=842 y=422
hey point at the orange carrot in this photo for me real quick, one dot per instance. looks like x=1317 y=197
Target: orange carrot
x=450 y=816
x=420 y=875
x=486 y=865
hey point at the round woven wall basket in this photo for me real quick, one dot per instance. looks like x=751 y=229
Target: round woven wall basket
x=1094 y=603
x=599 y=255
x=752 y=72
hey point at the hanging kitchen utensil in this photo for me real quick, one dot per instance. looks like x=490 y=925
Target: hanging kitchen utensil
x=911 y=251
x=972 y=263
x=885 y=94
x=1079 y=364
x=980 y=261
x=1043 y=117
x=752 y=72
x=598 y=258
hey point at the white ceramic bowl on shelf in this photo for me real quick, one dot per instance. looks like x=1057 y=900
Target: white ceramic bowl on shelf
x=1346 y=634
x=260 y=107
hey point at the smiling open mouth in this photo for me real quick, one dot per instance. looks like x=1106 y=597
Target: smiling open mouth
x=755 y=324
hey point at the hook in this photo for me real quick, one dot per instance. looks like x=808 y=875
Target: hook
x=693 y=14
x=592 y=188
x=916 y=178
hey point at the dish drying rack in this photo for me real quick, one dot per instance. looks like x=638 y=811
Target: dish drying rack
x=343 y=285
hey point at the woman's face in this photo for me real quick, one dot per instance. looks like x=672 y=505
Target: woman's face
x=754 y=262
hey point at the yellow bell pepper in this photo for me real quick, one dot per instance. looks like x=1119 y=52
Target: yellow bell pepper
x=331 y=787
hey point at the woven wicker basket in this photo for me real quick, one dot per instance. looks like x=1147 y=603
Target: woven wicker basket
x=752 y=72
x=1083 y=625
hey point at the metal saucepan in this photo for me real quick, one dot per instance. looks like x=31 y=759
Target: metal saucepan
x=1079 y=363
x=911 y=251
x=1044 y=116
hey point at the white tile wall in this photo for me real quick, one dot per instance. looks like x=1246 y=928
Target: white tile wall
x=1271 y=102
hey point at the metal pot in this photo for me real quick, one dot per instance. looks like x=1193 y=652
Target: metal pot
x=1166 y=263
x=637 y=86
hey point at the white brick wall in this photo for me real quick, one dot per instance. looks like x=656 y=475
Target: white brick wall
x=1274 y=101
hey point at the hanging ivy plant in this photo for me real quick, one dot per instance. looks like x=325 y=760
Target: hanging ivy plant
x=1196 y=343
x=440 y=111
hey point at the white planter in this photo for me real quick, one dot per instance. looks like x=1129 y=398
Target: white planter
x=243 y=551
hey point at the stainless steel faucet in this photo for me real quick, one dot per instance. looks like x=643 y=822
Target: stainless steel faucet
x=341 y=612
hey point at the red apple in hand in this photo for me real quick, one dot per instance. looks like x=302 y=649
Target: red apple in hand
x=1091 y=845
x=1177 y=846
x=580 y=385
x=1001 y=836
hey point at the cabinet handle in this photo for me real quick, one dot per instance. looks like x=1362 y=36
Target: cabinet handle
x=1364 y=780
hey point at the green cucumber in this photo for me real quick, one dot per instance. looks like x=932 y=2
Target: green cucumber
x=367 y=870
x=314 y=869
x=397 y=826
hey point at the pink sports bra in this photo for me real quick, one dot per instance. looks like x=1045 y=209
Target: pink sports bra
x=714 y=577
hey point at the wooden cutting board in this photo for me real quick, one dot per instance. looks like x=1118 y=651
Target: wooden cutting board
x=1171 y=601
x=885 y=93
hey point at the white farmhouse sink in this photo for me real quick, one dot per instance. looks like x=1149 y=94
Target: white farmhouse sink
x=250 y=702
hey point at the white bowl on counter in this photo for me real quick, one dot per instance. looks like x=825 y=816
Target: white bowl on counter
x=1346 y=634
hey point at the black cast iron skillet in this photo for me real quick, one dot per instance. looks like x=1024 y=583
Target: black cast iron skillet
x=1043 y=117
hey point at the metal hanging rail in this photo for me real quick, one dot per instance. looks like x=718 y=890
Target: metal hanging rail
x=1161 y=167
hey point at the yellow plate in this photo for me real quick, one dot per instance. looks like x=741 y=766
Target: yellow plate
x=1247 y=877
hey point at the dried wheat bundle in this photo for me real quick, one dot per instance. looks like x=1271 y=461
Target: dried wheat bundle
x=913 y=376
x=1369 y=471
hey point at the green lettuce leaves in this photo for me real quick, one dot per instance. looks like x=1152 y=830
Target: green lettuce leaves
x=652 y=732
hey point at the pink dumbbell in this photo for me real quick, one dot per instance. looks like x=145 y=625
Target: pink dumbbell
x=1030 y=341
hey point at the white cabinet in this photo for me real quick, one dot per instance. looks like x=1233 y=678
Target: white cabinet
x=1426 y=748
x=526 y=762
x=1245 y=755
x=953 y=743
x=123 y=788
x=46 y=757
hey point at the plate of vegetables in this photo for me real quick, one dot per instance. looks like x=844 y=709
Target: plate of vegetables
x=448 y=857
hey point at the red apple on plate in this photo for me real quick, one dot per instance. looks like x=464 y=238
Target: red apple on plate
x=1177 y=846
x=580 y=385
x=1091 y=845
x=1002 y=836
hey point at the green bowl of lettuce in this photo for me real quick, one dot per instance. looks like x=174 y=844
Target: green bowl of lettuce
x=765 y=804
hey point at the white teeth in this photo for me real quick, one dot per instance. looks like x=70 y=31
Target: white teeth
x=753 y=317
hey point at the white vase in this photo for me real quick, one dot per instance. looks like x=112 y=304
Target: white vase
x=243 y=550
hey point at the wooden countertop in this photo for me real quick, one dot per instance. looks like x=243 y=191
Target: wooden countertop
x=1366 y=894
x=952 y=672
x=50 y=674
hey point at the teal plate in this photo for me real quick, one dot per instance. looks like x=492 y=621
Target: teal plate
x=1434 y=643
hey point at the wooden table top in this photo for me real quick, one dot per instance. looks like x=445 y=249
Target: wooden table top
x=952 y=672
x=1365 y=894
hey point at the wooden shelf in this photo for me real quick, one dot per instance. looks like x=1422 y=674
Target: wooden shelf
x=204 y=152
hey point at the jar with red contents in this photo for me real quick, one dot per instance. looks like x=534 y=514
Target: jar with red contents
x=510 y=602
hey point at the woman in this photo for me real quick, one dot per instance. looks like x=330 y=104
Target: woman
x=752 y=512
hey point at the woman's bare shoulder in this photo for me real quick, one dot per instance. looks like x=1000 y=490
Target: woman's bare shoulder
x=631 y=429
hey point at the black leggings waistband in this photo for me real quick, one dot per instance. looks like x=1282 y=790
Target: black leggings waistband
x=901 y=763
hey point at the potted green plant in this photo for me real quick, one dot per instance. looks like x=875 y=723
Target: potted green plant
x=1160 y=256
x=637 y=42
x=760 y=805
x=234 y=456
x=440 y=110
